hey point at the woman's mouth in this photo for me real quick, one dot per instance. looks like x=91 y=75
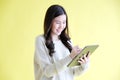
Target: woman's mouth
x=58 y=30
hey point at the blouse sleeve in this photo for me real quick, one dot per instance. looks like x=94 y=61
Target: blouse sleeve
x=78 y=70
x=43 y=63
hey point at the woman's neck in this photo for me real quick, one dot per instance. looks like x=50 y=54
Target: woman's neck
x=55 y=37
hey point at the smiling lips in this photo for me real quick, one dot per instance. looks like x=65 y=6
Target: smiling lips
x=59 y=30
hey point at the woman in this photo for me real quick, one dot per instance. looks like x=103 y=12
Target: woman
x=53 y=51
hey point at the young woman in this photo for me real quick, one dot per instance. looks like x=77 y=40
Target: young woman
x=53 y=51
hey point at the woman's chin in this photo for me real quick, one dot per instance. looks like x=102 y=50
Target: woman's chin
x=58 y=34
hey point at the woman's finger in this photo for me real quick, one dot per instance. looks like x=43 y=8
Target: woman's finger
x=85 y=58
x=82 y=59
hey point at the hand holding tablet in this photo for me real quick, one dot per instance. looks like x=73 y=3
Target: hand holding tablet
x=87 y=49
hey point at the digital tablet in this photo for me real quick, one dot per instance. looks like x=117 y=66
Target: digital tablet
x=85 y=50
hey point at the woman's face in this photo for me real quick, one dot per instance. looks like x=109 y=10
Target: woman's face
x=58 y=25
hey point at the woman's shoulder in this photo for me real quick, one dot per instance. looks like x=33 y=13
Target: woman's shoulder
x=40 y=38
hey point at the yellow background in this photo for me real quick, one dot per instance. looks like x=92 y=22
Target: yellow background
x=90 y=22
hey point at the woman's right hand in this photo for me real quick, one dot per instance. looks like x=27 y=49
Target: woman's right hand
x=75 y=51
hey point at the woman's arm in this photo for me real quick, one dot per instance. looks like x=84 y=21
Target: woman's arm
x=80 y=69
x=84 y=64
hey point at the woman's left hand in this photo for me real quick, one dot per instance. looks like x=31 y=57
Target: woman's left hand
x=84 y=59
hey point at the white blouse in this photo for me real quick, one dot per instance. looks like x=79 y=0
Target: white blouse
x=54 y=68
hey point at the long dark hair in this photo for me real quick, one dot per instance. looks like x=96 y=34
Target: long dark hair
x=52 y=12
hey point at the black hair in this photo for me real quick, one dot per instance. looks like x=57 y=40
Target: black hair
x=52 y=12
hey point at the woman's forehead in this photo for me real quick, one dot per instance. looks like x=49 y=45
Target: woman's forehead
x=61 y=17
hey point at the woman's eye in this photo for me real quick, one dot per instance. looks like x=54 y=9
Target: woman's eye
x=57 y=22
x=64 y=22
